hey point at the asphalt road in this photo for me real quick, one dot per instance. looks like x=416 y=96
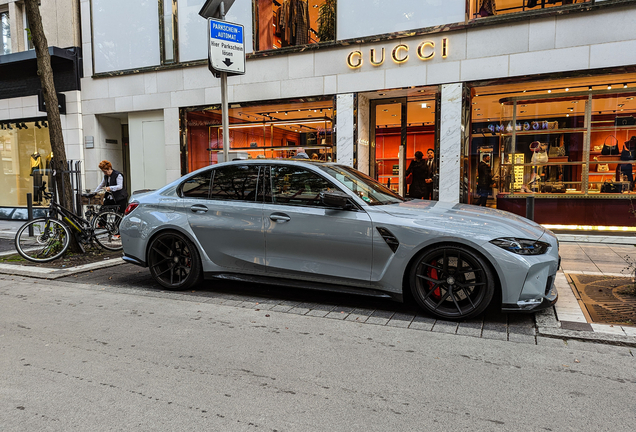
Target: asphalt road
x=82 y=356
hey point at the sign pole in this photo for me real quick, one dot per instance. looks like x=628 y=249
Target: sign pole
x=225 y=116
x=226 y=55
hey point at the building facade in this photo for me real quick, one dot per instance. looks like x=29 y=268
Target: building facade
x=544 y=88
x=25 y=147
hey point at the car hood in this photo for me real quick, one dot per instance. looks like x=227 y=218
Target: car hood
x=469 y=220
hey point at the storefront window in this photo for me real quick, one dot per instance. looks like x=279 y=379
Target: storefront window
x=275 y=130
x=555 y=140
x=5 y=33
x=284 y=23
x=485 y=8
x=26 y=155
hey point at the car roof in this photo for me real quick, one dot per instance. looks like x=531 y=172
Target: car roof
x=273 y=160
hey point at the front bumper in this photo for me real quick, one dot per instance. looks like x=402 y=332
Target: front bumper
x=535 y=304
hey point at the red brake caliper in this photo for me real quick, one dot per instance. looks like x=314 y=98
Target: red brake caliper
x=432 y=273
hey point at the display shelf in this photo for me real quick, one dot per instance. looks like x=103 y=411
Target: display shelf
x=544 y=131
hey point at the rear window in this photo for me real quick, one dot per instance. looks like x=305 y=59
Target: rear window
x=197 y=186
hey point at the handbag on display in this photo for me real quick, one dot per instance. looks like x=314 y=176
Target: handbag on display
x=611 y=187
x=602 y=168
x=625 y=121
x=610 y=150
x=553 y=125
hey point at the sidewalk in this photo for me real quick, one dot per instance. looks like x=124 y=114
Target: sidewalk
x=579 y=255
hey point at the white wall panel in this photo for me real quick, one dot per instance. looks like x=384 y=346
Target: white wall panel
x=359 y=18
x=125 y=34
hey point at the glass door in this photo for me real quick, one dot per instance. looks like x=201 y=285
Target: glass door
x=388 y=132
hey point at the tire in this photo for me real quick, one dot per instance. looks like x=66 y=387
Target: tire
x=174 y=261
x=49 y=241
x=106 y=230
x=452 y=282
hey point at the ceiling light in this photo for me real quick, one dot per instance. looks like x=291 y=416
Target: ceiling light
x=567 y=115
x=549 y=91
x=567 y=89
x=424 y=105
x=477 y=109
x=609 y=87
x=385 y=110
x=589 y=88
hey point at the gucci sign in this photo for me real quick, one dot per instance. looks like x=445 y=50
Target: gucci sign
x=400 y=54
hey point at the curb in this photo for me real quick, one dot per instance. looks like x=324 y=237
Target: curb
x=48 y=273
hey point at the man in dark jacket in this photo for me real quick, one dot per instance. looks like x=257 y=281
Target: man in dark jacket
x=113 y=184
x=484 y=180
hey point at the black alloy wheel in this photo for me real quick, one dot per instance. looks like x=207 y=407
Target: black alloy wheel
x=174 y=261
x=452 y=282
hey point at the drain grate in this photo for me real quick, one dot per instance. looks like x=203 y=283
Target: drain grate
x=606 y=298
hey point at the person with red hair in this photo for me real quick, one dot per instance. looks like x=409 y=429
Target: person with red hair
x=113 y=184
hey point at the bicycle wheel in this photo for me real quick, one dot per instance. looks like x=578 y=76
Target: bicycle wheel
x=106 y=230
x=49 y=241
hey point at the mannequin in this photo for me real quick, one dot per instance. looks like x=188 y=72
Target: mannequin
x=628 y=153
x=539 y=157
x=37 y=165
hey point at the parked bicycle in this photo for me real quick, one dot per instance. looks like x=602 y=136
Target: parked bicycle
x=46 y=239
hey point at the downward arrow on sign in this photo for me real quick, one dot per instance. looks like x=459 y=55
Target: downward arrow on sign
x=227 y=62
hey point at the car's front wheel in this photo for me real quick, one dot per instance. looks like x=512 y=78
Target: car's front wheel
x=174 y=261
x=452 y=282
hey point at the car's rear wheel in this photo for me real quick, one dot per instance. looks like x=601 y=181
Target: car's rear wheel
x=452 y=282
x=174 y=261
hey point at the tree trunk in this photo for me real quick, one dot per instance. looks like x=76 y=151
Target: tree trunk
x=45 y=72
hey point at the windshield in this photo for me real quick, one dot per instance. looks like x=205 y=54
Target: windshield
x=369 y=190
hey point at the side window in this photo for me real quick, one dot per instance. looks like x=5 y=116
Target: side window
x=236 y=182
x=197 y=186
x=297 y=186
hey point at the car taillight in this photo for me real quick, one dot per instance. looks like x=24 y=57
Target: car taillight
x=131 y=207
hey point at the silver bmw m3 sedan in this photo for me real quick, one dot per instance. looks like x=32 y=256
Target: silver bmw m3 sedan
x=327 y=226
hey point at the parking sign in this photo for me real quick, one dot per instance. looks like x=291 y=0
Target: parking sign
x=226 y=49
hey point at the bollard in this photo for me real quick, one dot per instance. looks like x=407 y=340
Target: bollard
x=530 y=208
x=30 y=212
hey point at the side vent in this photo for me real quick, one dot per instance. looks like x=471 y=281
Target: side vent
x=389 y=238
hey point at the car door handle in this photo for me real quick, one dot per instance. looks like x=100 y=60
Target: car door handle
x=279 y=217
x=198 y=208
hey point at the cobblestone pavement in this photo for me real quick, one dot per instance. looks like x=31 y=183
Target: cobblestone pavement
x=368 y=310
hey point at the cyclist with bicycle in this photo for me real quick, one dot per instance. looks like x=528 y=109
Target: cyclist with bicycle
x=113 y=184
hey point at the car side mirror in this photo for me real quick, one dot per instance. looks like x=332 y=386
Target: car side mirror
x=336 y=199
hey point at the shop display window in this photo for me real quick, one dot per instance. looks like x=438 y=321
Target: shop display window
x=273 y=131
x=25 y=151
x=486 y=8
x=555 y=139
x=285 y=23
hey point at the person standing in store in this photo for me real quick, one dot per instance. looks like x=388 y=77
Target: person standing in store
x=113 y=184
x=484 y=180
x=418 y=169
x=431 y=171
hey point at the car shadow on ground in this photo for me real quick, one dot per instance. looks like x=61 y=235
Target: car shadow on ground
x=306 y=301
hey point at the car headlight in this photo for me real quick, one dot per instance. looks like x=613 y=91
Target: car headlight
x=521 y=246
